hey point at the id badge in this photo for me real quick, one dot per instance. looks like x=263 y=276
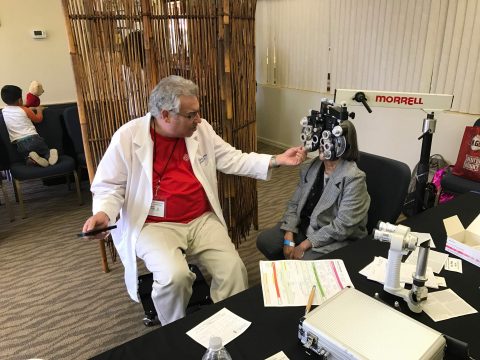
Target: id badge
x=157 y=208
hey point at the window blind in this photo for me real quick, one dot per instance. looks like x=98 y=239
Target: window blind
x=430 y=46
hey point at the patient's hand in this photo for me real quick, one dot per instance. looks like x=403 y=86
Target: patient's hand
x=300 y=249
x=288 y=252
x=297 y=253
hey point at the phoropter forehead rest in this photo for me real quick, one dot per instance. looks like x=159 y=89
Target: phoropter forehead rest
x=321 y=129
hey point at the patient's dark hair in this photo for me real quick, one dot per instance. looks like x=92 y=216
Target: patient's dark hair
x=11 y=94
x=350 y=134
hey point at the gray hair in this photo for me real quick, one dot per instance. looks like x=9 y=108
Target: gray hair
x=166 y=95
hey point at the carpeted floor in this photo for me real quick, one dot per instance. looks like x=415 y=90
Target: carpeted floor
x=55 y=302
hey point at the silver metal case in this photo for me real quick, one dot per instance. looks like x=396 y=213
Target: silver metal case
x=352 y=325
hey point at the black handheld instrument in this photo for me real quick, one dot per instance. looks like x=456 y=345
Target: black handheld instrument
x=96 y=231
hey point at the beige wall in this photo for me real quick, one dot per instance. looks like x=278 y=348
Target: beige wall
x=24 y=59
x=387 y=132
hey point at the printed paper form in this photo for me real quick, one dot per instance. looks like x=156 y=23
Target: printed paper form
x=224 y=324
x=454 y=265
x=289 y=282
x=446 y=304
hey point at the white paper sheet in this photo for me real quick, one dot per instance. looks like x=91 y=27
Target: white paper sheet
x=377 y=270
x=436 y=259
x=367 y=269
x=289 y=282
x=446 y=304
x=454 y=264
x=224 y=324
x=278 y=356
x=423 y=237
x=441 y=281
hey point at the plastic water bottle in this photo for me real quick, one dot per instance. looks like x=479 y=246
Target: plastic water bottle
x=216 y=351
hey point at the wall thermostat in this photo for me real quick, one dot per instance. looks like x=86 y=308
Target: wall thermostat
x=39 y=34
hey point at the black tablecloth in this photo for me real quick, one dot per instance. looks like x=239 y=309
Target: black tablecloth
x=275 y=329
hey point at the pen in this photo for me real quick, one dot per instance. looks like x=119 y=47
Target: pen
x=310 y=300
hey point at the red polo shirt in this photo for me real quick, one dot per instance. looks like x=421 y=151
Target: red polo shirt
x=175 y=183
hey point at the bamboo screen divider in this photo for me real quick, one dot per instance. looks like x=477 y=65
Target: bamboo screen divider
x=120 y=49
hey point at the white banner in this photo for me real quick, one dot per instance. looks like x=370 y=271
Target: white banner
x=425 y=101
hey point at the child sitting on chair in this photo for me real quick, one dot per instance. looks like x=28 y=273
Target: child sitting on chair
x=21 y=130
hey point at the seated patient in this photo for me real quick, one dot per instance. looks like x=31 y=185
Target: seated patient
x=328 y=209
x=21 y=130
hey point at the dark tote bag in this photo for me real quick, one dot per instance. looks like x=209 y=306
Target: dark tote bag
x=468 y=160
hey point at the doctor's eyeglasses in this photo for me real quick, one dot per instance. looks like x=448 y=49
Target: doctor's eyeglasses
x=190 y=116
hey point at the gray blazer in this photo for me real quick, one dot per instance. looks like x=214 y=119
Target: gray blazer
x=340 y=214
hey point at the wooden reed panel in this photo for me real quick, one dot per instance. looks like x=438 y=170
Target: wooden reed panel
x=240 y=101
x=120 y=49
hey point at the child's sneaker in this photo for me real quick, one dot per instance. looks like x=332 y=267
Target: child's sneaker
x=37 y=159
x=52 y=160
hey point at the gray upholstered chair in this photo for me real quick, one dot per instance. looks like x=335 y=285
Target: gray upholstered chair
x=4 y=169
x=51 y=130
x=387 y=184
x=74 y=131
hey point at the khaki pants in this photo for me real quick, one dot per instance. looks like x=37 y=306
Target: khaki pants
x=162 y=246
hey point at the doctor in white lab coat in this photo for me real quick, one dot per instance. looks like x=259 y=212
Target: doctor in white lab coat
x=158 y=177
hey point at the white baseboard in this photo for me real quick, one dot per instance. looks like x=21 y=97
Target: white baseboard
x=273 y=143
x=283 y=146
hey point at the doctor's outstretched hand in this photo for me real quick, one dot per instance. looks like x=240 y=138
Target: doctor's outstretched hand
x=292 y=156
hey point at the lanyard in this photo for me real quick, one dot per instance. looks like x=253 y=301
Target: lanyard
x=160 y=175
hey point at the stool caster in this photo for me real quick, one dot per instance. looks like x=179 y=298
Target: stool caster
x=150 y=322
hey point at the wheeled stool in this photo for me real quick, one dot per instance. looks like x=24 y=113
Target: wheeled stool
x=200 y=295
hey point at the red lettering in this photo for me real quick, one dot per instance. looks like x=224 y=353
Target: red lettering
x=399 y=100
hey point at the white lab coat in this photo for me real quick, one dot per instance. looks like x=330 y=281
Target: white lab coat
x=123 y=181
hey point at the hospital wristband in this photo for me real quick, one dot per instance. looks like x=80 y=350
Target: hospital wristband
x=288 y=243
